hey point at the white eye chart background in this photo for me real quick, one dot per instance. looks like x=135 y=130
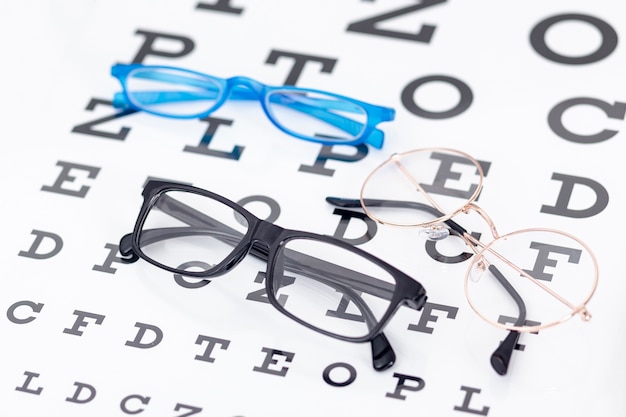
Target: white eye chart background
x=535 y=89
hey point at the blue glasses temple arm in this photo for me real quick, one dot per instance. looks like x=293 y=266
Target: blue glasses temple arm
x=313 y=106
x=211 y=91
x=320 y=112
x=501 y=357
x=157 y=97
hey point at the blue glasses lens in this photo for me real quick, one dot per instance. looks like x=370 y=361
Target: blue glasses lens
x=316 y=116
x=171 y=92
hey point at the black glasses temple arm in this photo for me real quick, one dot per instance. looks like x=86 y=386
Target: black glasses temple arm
x=195 y=218
x=501 y=357
x=295 y=261
x=356 y=203
x=329 y=278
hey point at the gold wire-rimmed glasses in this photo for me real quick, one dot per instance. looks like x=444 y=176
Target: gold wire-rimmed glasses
x=524 y=281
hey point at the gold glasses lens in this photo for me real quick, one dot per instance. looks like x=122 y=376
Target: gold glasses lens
x=421 y=187
x=551 y=273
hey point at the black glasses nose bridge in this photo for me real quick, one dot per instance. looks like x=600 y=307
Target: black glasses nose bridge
x=262 y=238
x=265 y=235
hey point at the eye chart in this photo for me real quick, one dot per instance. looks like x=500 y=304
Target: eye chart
x=534 y=90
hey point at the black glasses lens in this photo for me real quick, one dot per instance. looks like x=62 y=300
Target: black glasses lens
x=331 y=287
x=186 y=231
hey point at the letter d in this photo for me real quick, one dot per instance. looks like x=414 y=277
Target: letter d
x=139 y=342
x=77 y=394
x=39 y=238
x=569 y=181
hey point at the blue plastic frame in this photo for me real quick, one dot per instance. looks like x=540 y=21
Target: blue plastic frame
x=244 y=88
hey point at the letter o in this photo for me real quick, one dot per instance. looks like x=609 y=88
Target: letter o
x=271 y=203
x=538 y=39
x=464 y=102
x=330 y=368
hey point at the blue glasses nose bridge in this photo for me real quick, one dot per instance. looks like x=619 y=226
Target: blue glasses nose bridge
x=244 y=88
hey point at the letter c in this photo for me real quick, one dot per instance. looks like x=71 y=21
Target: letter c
x=35 y=307
x=612 y=111
x=142 y=399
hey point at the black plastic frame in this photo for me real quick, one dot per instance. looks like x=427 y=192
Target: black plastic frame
x=266 y=241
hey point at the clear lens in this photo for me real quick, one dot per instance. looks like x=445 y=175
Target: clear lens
x=190 y=232
x=316 y=115
x=332 y=288
x=172 y=92
x=421 y=187
x=552 y=272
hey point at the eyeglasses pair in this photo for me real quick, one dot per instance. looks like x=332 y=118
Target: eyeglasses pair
x=312 y=115
x=196 y=233
x=523 y=281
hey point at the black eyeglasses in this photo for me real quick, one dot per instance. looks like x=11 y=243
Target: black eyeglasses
x=196 y=233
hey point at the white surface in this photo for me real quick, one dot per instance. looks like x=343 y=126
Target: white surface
x=56 y=58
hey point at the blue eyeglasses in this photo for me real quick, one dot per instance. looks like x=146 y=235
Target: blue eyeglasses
x=312 y=115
